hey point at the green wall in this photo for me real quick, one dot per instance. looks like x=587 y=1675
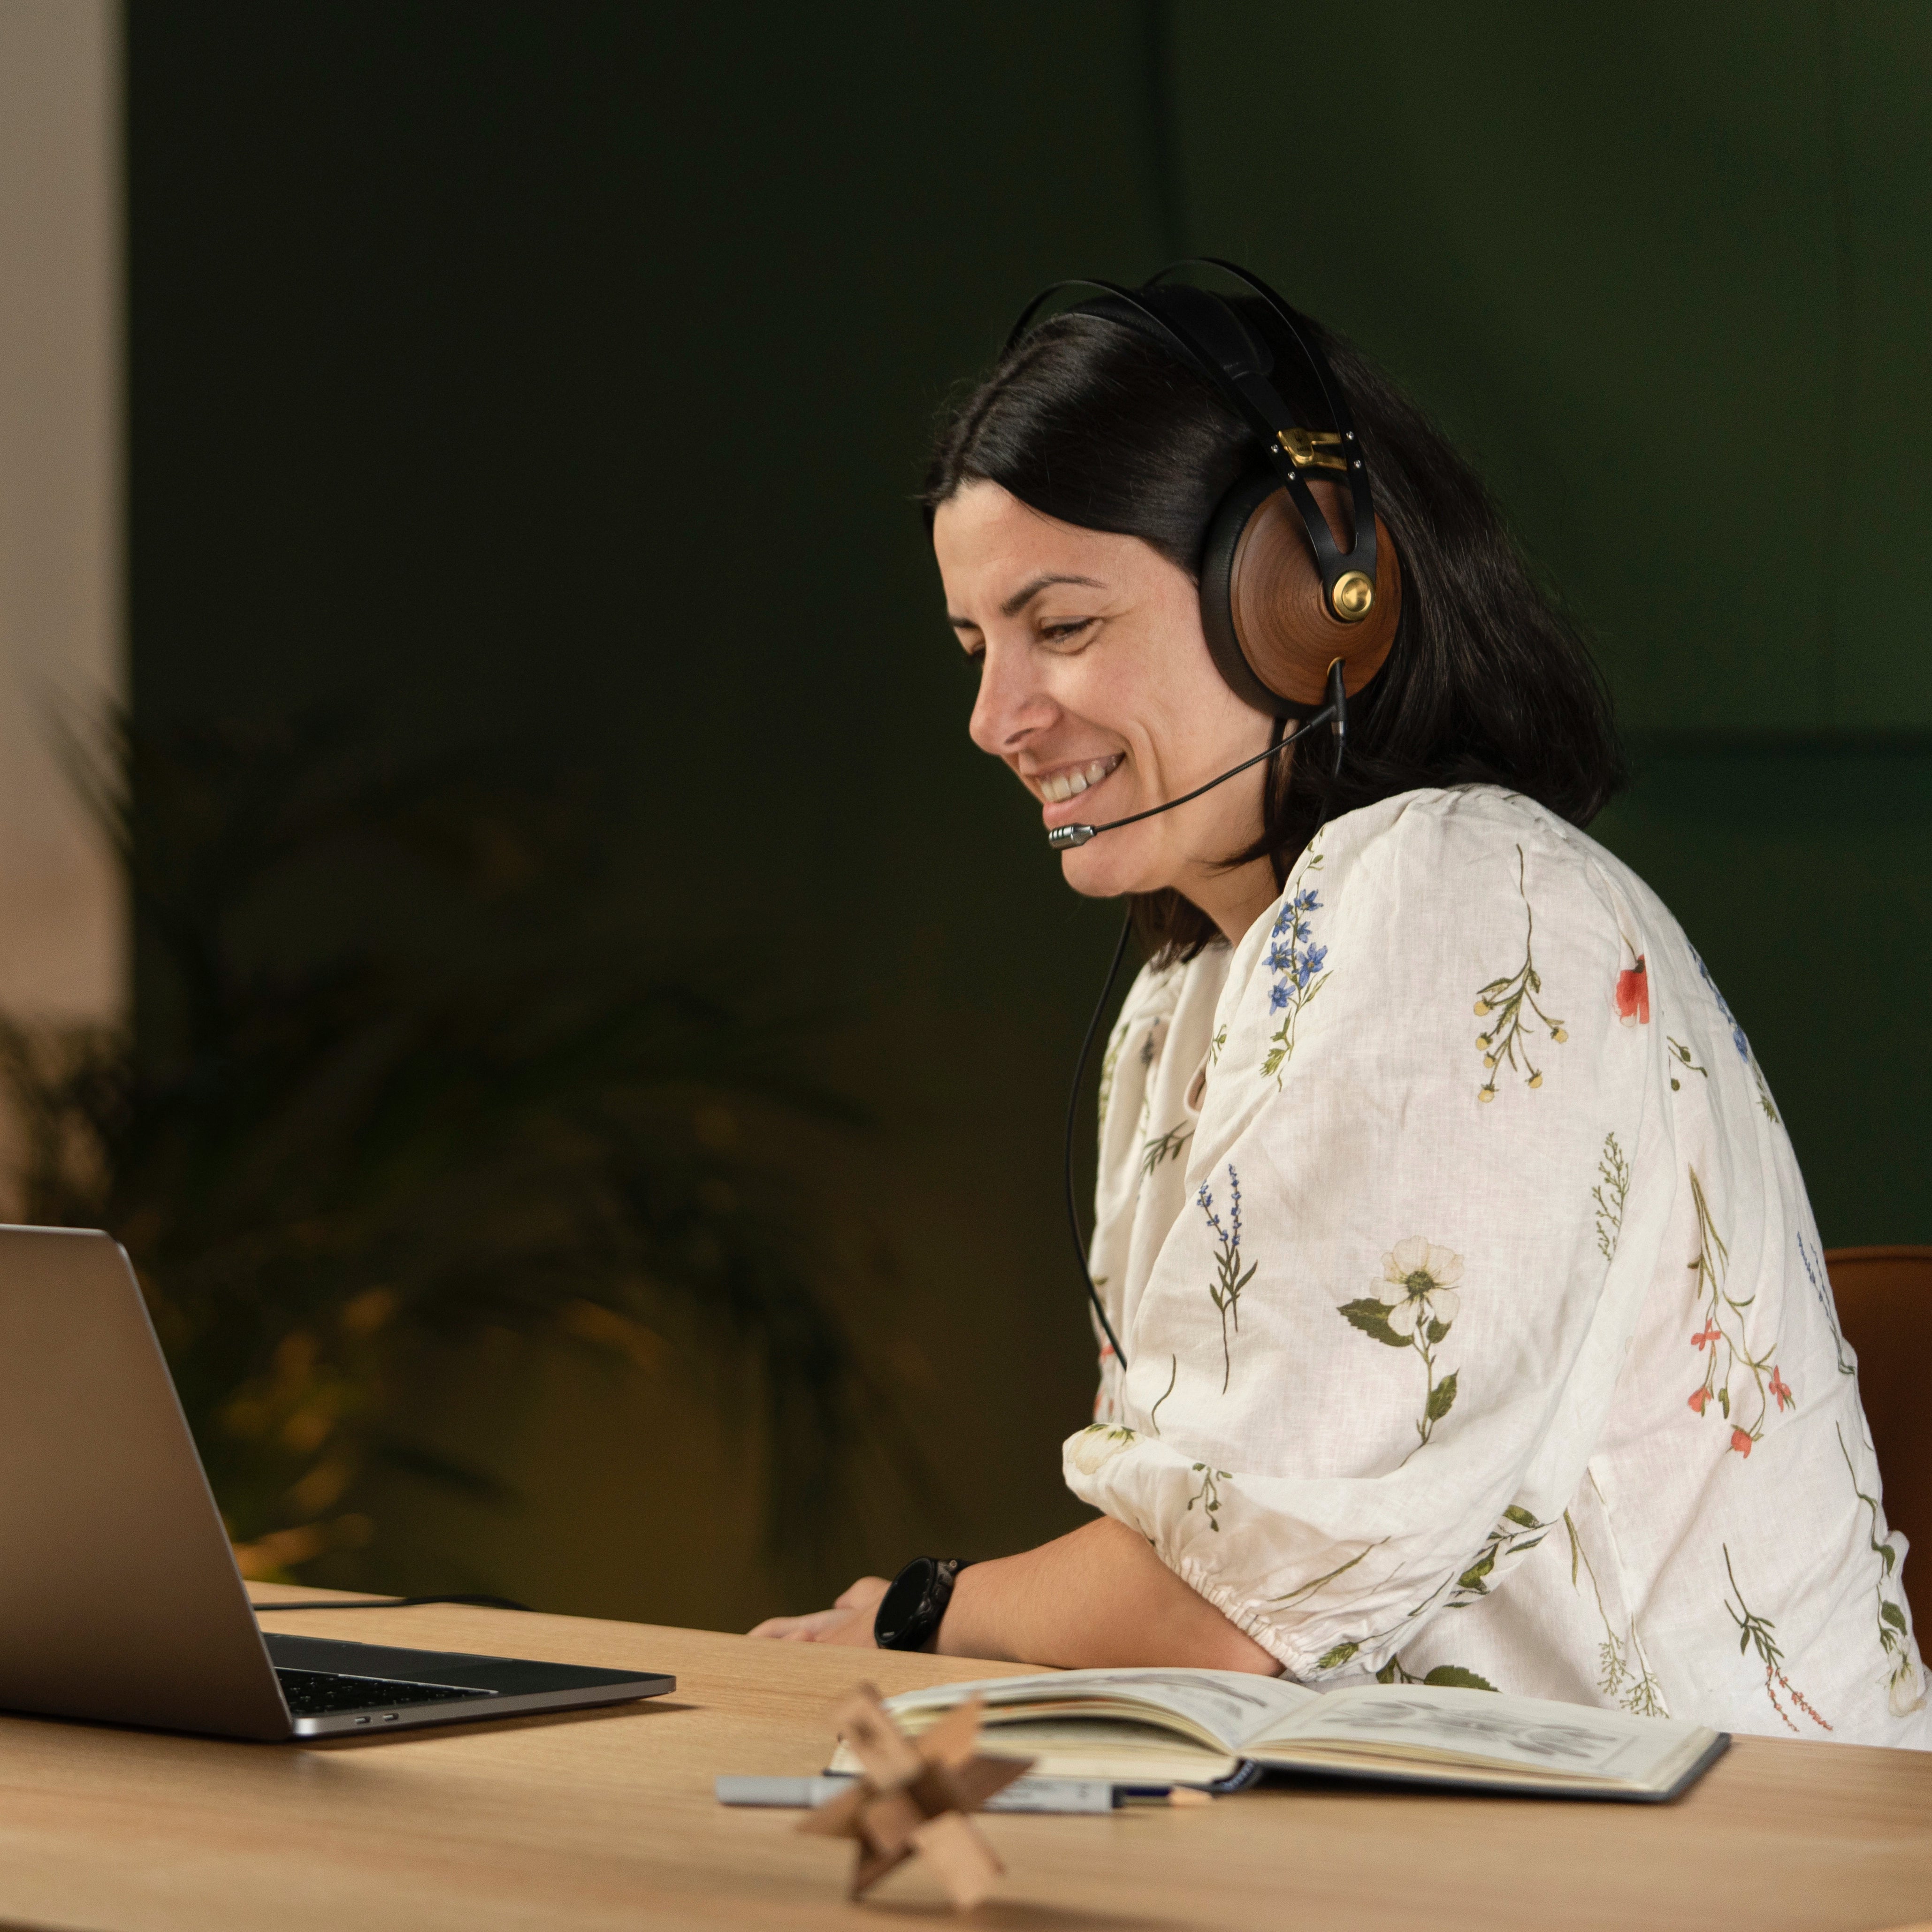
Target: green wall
x=562 y=376
x=1666 y=274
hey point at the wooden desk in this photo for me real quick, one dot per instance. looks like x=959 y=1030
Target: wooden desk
x=607 y=1819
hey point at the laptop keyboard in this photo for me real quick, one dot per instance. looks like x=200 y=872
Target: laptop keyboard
x=313 y=1693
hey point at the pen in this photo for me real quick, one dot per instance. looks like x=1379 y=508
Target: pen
x=1026 y=1794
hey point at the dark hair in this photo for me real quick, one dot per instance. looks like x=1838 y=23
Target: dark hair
x=1087 y=421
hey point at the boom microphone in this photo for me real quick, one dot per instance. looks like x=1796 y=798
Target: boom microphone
x=1335 y=712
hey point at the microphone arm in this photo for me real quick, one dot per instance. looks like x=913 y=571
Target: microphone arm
x=1065 y=838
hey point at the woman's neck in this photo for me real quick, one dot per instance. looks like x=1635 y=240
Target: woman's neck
x=1234 y=900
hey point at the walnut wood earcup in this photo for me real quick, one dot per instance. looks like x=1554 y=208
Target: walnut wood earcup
x=1268 y=626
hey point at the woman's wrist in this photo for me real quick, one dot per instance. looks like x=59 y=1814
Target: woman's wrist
x=959 y=1634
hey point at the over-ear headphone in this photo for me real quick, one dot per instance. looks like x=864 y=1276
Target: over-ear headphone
x=1282 y=601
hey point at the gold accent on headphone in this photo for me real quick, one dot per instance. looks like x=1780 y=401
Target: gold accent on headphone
x=1354 y=594
x=1307 y=448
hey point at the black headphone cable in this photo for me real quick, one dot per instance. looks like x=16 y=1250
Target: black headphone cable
x=1072 y=1115
x=1335 y=712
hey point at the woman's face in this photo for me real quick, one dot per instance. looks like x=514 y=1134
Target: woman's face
x=1097 y=691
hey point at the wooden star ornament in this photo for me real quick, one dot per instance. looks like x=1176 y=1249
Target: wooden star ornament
x=915 y=1797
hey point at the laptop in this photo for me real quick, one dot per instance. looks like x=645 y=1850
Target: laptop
x=119 y=1598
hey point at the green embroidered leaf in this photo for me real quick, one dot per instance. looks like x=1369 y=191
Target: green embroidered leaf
x=1331 y=1660
x=1471 y=1579
x=1456 y=1678
x=1517 y=1514
x=1371 y=1317
x=1888 y=1555
x=1893 y=1615
x=1442 y=1398
x=1724 y=1402
x=1387 y=1673
x=1438 y=1331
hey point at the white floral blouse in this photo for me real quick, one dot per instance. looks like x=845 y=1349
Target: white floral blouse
x=1477 y=1327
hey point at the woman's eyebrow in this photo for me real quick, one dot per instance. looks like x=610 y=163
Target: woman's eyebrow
x=1021 y=598
x=1024 y=595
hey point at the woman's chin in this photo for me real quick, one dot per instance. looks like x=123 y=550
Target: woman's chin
x=1095 y=872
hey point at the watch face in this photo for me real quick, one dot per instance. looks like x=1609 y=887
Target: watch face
x=900 y=1605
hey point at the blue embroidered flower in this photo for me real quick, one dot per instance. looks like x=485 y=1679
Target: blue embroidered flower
x=1205 y=1201
x=1296 y=963
x=1737 y=1038
x=1225 y=1292
x=1305 y=900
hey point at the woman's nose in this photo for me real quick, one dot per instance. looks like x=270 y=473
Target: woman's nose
x=1011 y=705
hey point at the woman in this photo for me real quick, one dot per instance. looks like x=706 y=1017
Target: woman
x=1474 y=1322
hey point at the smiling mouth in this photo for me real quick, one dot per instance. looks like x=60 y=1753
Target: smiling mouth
x=1064 y=785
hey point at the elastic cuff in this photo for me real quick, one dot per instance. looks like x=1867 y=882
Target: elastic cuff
x=1245 y=1617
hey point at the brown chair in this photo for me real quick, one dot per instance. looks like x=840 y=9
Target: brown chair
x=1885 y=1302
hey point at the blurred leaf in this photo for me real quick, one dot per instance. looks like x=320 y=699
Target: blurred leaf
x=449 y=1472
x=338 y=1143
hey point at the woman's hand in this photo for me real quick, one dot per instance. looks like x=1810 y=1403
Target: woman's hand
x=848 y=1621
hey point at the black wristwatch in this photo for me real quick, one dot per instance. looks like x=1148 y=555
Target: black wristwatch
x=909 y=1611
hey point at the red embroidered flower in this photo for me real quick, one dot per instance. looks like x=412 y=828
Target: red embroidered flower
x=1741 y=1442
x=1698 y=1400
x=1633 y=995
x=1712 y=1333
x=1781 y=1389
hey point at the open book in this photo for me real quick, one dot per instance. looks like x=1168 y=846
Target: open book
x=1167 y=1727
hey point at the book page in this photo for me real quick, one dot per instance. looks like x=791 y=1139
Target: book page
x=1229 y=1707
x=1119 y=1753
x=1415 y=1721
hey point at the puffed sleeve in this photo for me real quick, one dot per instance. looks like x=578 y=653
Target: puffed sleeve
x=1369 y=1364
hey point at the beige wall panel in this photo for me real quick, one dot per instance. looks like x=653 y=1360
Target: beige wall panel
x=63 y=947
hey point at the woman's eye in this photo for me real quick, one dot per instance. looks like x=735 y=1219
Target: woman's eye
x=1063 y=634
